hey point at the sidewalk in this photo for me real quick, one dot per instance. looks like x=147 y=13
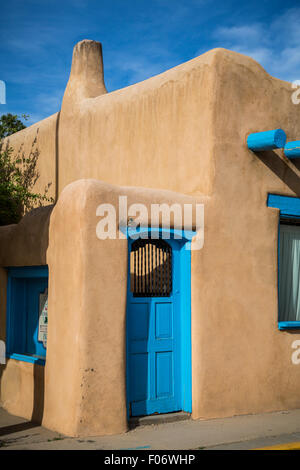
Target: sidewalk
x=239 y=432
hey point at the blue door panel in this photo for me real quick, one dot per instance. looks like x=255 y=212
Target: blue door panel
x=153 y=348
x=153 y=406
x=163 y=320
x=139 y=382
x=139 y=321
x=164 y=374
x=18 y=320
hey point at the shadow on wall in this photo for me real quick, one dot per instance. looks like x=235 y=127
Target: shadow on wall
x=24 y=425
x=288 y=172
x=38 y=393
x=2 y=369
x=38 y=377
x=30 y=241
x=57 y=155
x=28 y=224
x=19 y=176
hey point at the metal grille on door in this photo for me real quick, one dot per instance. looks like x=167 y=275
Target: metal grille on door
x=151 y=268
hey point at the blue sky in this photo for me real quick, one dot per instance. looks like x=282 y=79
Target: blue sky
x=140 y=38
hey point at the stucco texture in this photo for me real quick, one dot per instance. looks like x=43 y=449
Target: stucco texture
x=43 y=138
x=23 y=244
x=85 y=374
x=245 y=361
x=183 y=131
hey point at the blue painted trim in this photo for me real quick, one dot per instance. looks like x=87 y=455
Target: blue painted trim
x=289 y=325
x=158 y=232
x=186 y=326
x=267 y=140
x=127 y=326
x=288 y=217
x=8 y=314
x=292 y=149
x=25 y=358
x=28 y=271
x=283 y=325
x=289 y=206
x=278 y=270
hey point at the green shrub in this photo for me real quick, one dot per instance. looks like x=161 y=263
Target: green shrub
x=18 y=176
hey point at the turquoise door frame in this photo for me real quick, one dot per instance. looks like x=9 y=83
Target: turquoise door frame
x=158 y=400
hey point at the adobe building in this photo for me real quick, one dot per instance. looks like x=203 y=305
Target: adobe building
x=139 y=326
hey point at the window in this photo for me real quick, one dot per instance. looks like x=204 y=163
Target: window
x=27 y=313
x=151 y=268
x=288 y=260
x=289 y=273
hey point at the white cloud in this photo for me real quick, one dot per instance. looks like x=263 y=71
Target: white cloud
x=286 y=27
x=42 y=106
x=133 y=67
x=49 y=102
x=242 y=34
x=275 y=46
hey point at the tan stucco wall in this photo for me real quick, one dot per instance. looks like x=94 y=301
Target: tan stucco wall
x=3 y=284
x=41 y=137
x=151 y=134
x=155 y=134
x=22 y=389
x=85 y=374
x=241 y=361
x=24 y=244
x=184 y=131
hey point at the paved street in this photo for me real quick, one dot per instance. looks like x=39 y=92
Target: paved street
x=280 y=429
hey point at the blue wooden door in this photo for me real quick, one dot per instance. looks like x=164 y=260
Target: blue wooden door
x=153 y=328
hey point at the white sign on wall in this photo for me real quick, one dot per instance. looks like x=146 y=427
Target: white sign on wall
x=2 y=353
x=43 y=318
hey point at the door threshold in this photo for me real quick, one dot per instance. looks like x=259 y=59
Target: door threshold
x=162 y=418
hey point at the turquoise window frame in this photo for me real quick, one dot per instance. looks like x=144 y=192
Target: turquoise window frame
x=289 y=208
x=12 y=329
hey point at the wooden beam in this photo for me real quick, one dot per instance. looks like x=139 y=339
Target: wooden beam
x=292 y=149
x=267 y=140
